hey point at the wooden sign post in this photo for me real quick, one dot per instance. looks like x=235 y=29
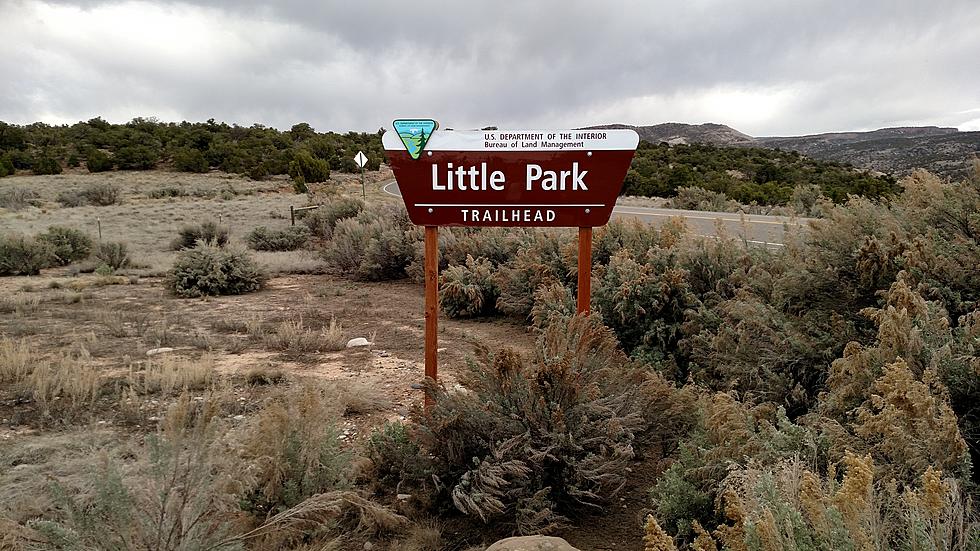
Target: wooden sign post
x=539 y=178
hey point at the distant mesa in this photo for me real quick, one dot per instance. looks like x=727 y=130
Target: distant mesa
x=899 y=150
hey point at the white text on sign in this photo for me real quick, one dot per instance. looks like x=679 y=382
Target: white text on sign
x=476 y=178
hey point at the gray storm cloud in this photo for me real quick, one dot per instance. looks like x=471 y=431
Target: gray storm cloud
x=763 y=67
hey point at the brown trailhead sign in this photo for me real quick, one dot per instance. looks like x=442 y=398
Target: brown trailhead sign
x=558 y=178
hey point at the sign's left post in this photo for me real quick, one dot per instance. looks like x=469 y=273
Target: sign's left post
x=431 y=309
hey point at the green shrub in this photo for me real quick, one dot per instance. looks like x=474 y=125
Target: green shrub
x=73 y=161
x=136 y=157
x=696 y=198
x=468 y=290
x=307 y=169
x=17 y=198
x=395 y=456
x=206 y=270
x=6 y=166
x=113 y=255
x=288 y=239
x=43 y=164
x=644 y=300
x=209 y=233
x=187 y=159
x=21 y=255
x=101 y=194
x=97 y=161
x=321 y=221
x=69 y=245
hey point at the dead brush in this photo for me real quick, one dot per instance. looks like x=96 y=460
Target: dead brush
x=67 y=383
x=171 y=375
x=293 y=449
x=358 y=398
x=176 y=492
x=18 y=359
x=294 y=338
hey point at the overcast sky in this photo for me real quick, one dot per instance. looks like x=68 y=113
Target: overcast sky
x=765 y=67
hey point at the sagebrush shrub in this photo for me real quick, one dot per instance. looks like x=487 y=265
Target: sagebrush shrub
x=696 y=198
x=17 y=198
x=287 y=239
x=544 y=258
x=536 y=439
x=206 y=270
x=22 y=255
x=179 y=492
x=113 y=255
x=101 y=194
x=321 y=221
x=789 y=506
x=375 y=246
x=644 y=300
x=468 y=290
x=209 y=233
x=71 y=198
x=69 y=245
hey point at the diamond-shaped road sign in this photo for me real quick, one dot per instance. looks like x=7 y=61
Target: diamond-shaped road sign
x=360 y=159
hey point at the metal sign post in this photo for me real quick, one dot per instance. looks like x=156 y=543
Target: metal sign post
x=530 y=178
x=361 y=160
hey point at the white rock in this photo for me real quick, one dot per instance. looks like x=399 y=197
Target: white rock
x=162 y=350
x=368 y=546
x=359 y=341
x=403 y=497
x=239 y=417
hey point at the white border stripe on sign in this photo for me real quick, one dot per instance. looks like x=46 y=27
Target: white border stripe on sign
x=475 y=140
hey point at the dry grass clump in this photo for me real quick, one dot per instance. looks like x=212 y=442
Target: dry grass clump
x=178 y=492
x=64 y=383
x=172 y=375
x=292 y=444
x=296 y=338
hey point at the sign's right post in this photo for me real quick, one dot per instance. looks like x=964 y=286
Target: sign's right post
x=584 y=270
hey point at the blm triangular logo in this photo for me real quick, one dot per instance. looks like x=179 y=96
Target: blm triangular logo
x=415 y=133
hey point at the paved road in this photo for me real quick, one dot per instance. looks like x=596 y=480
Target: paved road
x=755 y=228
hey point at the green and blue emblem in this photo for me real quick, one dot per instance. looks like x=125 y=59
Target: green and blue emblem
x=415 y=133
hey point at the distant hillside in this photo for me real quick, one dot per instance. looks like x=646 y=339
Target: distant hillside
x=680 y=133
x=746 y=174
x=943 y=151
